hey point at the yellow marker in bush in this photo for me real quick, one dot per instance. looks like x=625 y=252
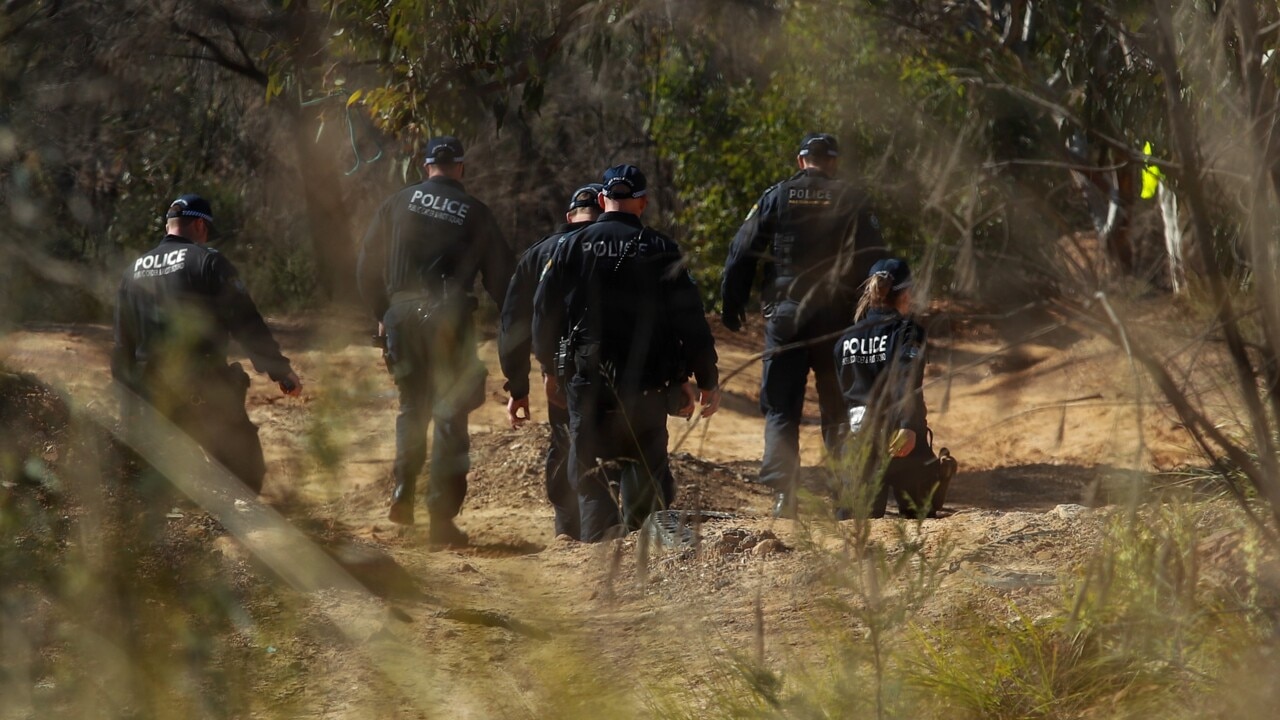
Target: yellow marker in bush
x=1151 y=175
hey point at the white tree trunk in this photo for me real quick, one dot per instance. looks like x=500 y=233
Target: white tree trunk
x=1173 y=238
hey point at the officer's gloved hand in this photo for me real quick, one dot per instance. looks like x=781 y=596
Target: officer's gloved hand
x=732 y=318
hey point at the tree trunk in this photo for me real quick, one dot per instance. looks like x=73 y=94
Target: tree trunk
x=327 y=216
x=321 y=181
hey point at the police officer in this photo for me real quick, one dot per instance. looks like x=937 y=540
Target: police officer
x=516 y=342
x=880 y=363
x=178 y=306
x=619 y=313
x=816 y=235
x=417 y=265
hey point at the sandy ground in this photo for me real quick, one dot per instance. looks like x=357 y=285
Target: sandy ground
x=1046 y=424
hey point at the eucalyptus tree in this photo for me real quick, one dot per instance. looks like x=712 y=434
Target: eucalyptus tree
x=1069 y=95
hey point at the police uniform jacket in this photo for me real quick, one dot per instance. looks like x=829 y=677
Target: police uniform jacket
x=880 y=365
x=432 y=239
x=516 y=340
x=182 y=302
x=623 y=291
x=816 y=236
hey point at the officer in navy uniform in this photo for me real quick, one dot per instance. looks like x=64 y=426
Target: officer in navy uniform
x=417 y=266
x=816 y=236
x=177 y=308
x=619 y=313
x=516 y=343
x=880 y=362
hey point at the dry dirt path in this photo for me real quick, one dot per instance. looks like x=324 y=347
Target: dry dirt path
x=519 y=625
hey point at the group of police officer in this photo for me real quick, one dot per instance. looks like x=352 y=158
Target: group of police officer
x=604 y=303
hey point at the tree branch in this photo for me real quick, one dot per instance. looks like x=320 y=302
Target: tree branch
x=220 y=58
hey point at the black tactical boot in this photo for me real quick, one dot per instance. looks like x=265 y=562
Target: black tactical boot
x=401 y=512
x=784 y=505
x=444 y=534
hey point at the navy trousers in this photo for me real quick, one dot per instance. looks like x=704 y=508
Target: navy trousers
x=782 y=391
x=432 y=355
x=564 y=500
x=622 y=442
x=208 y=405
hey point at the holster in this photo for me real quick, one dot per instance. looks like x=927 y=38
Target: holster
x=431 y=338
x=586 y=360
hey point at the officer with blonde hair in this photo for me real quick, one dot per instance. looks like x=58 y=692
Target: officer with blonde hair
x=880 y=364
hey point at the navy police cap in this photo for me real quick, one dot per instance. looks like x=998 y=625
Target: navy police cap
x=190 y=205
x=819 y=144
x=894 y=269
x=443 y=149
x=624 y=181
x=586 y=196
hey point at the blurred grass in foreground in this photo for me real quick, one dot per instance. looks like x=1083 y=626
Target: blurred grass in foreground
x=119 y=601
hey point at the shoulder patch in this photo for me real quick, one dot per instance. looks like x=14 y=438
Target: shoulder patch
x=764 y=197
x=875 y=221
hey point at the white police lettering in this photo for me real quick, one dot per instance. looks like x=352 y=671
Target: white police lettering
x=615 y=248
x=807 y=196
x=160 y=264
x=862 y=351
x=438 y=207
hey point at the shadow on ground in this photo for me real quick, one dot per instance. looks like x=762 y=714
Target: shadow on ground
x=1039 y=487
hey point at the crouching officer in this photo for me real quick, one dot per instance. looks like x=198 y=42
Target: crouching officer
x=516 y=342
x=417 y=265
x=881 y=367
x=816 y=236
x=177 y=308
x=619 y=316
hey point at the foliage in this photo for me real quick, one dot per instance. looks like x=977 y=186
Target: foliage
x=445 y=66
x=1150 y=626
x=953 y=110
x=1030 y=669
x=987 y=133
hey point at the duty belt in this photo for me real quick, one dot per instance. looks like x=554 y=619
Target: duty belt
x=436 y=298
x=416 y=295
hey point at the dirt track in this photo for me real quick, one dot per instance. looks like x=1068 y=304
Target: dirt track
x=522 y=625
